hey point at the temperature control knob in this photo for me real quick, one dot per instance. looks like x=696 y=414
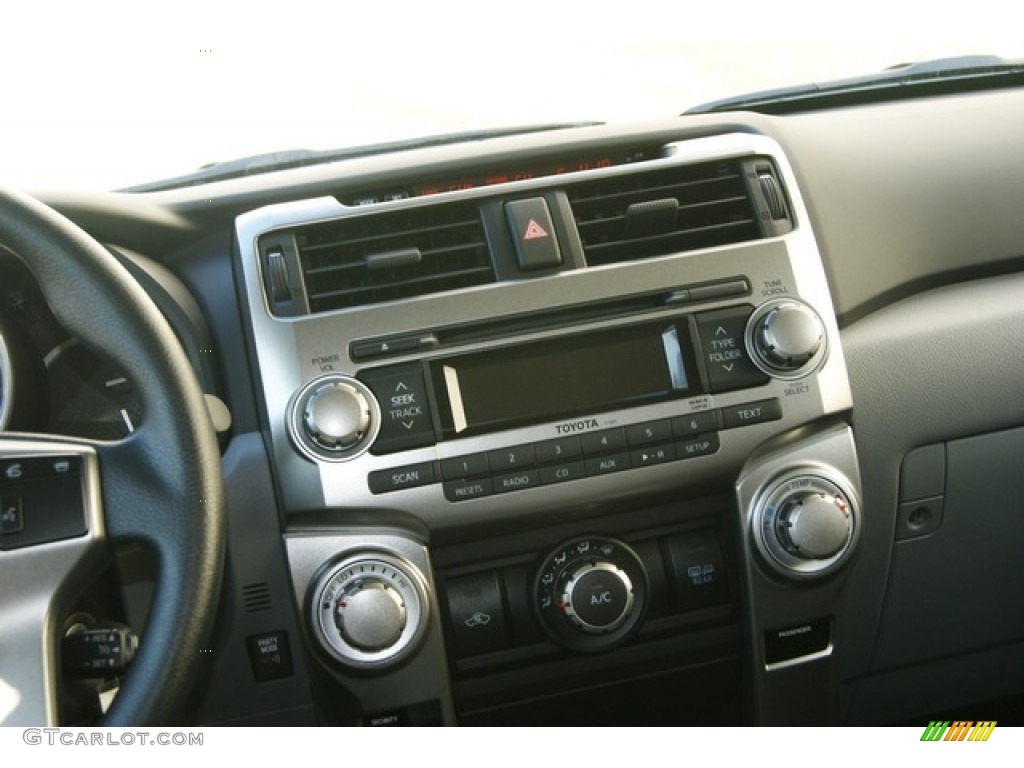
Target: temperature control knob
x=815 y=525
x=806 y=524
x=334 y=418
x=369 y=610
x=591 y=593
x=785 y=338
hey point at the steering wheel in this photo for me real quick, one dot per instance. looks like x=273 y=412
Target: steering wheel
x=160 y=486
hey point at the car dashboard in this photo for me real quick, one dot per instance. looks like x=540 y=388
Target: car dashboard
x=709 y=421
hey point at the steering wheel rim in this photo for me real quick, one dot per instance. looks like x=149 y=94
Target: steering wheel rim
x=161 y=486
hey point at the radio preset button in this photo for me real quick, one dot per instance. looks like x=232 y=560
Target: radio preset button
x=559 y=449
x=512 y=458
x=470 y=465
x=649 y=432
x=746 y=414
x=604 y=441
x=725 y=355
x=695 y=424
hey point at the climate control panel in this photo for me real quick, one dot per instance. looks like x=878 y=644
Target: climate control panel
x=591 y=593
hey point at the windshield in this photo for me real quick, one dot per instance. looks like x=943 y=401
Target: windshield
x=108 y=95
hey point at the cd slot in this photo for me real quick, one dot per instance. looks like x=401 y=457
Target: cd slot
x=391 y=346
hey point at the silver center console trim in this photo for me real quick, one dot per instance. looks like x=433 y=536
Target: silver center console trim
x=291 y=351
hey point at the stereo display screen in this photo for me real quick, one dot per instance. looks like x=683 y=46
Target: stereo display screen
x=569 y=376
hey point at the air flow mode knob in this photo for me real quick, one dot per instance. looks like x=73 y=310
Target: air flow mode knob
x=785 y=337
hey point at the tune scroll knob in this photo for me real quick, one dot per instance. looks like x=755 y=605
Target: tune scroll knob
x=786 y=338
x=334 y=418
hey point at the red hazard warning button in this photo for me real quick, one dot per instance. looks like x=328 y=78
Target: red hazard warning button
x=534 y=230
x=533 y=234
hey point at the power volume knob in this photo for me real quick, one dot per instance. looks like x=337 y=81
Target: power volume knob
x=337 y=415
x=786 y=337
x=334 y=418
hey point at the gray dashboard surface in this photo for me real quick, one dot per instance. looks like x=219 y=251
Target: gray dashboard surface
x=910 y=195
x=943 y=365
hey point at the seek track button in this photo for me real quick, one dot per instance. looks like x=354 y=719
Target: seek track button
x=405 y=417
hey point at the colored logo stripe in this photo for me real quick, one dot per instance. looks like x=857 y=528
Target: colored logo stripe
x=960 y=730
x=982 y=730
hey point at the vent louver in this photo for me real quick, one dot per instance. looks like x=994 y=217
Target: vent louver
x=382 y=257
x=655 y=213
x=256 y=597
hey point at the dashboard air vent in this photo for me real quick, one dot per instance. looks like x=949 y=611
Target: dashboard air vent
x=670 y=210
x=374 y=258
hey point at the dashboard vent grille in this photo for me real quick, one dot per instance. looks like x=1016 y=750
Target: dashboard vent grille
x=256 y=598
x=382 y=257
x=654 y=213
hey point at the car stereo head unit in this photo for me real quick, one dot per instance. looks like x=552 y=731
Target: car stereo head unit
x=499 y=387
